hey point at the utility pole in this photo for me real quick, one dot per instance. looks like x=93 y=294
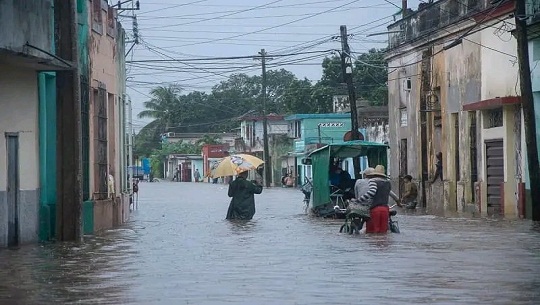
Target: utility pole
x=347 y=68
x=69 y=135
x=528 y=107
x=266 y=154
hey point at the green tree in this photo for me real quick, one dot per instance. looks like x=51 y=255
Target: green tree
x=371 y=76
x=163 y=107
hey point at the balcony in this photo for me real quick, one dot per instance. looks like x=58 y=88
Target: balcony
x=27 y=34
x=430 y=17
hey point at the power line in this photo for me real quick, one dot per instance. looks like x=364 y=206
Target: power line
x=197 y=16
x=173 y=6
x=272 y=27
x=226 y=58
x=221 y=16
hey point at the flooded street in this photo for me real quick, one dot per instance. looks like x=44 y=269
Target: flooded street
x=178 y=249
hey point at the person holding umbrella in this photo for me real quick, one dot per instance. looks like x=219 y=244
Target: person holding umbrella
x=243 y=192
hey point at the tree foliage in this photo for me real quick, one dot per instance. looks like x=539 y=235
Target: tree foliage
x=220 y=109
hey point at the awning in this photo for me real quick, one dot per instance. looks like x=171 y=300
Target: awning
x=492 y=103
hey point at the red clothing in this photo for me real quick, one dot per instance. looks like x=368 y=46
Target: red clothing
x=378 y=223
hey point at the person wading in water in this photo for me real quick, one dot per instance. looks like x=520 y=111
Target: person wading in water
x=243 y=192
x=380 y=190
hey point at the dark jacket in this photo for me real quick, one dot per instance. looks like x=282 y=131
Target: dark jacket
x=243 y=193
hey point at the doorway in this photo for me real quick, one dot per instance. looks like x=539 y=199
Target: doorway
x=403 y=168
x=12 y=142
x=495 y=176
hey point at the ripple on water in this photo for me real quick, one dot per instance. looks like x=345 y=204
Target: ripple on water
x=178 y=249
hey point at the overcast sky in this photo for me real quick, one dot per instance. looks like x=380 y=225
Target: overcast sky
x=191 y=29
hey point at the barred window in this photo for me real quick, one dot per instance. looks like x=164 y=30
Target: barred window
x=493 y=118
x=101 y=144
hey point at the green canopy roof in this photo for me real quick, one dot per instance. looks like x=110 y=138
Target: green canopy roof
x=351 y=149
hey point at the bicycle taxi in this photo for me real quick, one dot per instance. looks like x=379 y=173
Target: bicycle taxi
x=322 y=198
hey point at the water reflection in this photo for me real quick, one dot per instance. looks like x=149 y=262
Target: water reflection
x=242 y=226
x=171 y=253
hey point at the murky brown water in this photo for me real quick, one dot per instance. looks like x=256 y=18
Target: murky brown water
x=178 y=249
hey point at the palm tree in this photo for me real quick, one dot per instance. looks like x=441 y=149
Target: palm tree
x=163 y=107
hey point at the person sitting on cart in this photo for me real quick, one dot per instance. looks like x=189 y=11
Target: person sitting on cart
x=346 y=184
x=335 y=175
x=379 y=192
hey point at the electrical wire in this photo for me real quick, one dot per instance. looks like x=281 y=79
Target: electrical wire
x=197 y=16
x=272 y=27
x=221 y=16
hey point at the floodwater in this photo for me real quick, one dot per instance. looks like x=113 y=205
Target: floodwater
x=178 y=249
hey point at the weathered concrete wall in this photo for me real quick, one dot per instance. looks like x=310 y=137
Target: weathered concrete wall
x=466 y=73
x=104 y=72
x=495 y=83
x=25 y=21
x=19 y=99
x=103 y=214
x=400 y=98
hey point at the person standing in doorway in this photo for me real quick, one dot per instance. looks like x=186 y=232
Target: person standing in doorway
x=438 y=168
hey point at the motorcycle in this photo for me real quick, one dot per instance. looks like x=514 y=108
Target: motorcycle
x=355 y=220
x=306 y=189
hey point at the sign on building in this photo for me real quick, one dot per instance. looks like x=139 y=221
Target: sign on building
x=330 y=124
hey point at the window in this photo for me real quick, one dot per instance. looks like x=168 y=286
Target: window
x=297 y=129
x=307 y=171
x=97 y=17
x=493 y=118
x=407 y=84
x=536 y=49
x=111 y=22
x=101 y=164
x=403 y=117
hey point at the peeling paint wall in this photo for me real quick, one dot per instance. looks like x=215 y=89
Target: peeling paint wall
x=481 y=67
x=26 y=21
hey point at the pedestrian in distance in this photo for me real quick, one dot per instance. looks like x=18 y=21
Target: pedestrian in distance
x=242 y=192
x=197 y=175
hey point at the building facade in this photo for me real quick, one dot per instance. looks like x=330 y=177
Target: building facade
x=108 y=199
x=311 y=131
x=251 y=141
x=447 y=96
x=29 y=123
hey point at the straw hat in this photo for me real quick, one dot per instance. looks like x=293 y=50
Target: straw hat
x=379 y=171
x=368 y=171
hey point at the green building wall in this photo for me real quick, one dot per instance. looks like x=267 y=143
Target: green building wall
x=47 y=154
x=47 y=148
x=84 y=63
